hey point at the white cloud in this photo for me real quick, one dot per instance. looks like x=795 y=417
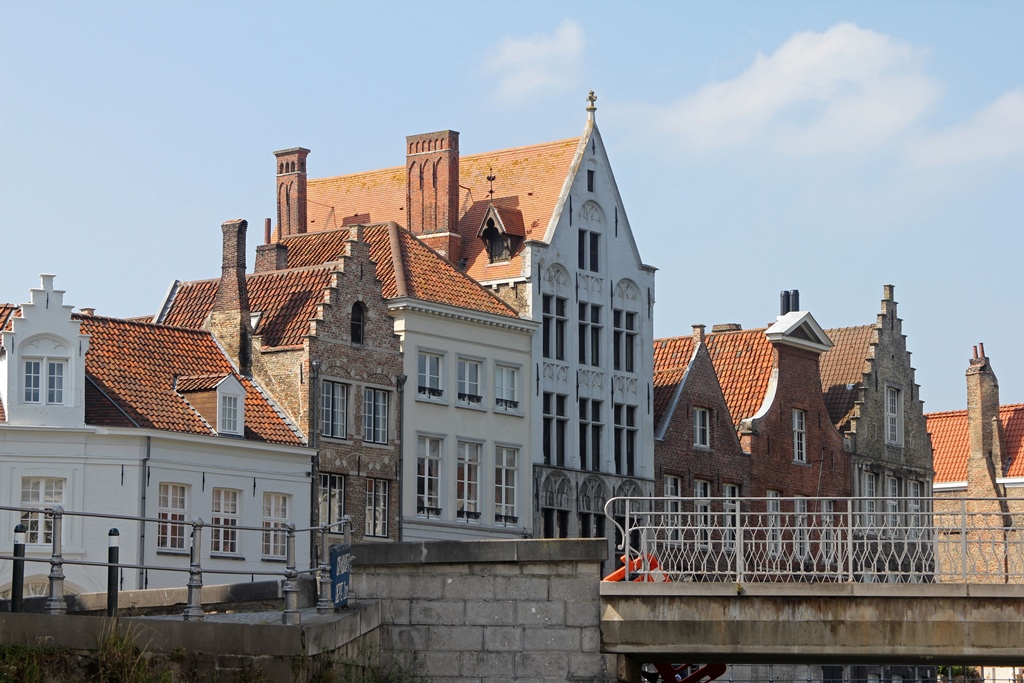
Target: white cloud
x=540 y=62
x=993 y=132
x=844 y=89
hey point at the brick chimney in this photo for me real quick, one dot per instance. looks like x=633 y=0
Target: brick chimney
x=432 y=190
x=985 y=462
x=270 y=255
x=291 y=191
x=230 y=318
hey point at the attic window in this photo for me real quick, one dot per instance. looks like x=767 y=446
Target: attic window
x=358 y=323
x=590 y=181
x=230 y=408
x=498 y=247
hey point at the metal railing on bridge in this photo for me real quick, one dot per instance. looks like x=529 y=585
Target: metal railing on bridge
x=277 y=538
x=805 y=539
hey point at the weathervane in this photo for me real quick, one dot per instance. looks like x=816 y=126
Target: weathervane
x=490 y=178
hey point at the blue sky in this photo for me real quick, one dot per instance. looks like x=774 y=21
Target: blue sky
x=828 y=147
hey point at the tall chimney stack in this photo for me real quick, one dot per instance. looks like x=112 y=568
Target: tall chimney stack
x=984 y=463
x=291 y=190
x=432 y=190
x=230 y=318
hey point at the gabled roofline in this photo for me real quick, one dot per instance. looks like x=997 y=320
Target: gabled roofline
x=781 y=332
x=666 y=419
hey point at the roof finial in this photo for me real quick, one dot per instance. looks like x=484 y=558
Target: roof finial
x=491 y=178
x=591 y=98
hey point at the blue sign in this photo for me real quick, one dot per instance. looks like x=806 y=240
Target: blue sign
x=341 y=573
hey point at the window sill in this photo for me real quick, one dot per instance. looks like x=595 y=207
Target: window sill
x=338 y=439
x=223 y=556
x=172 y=551
x=802 y=463
x=277 y=560
x=436 y=400
x=702 y=447
x=471 y=406
x=505 y=411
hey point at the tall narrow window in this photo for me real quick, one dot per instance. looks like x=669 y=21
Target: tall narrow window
x=673 y=506
x=467 y=481
x=40 y=493
x=334 y=409
x=332 y=500
x=801 y=534
x=275 y=519
x=589 y=334
x=914 y=509
x=625 y=439
x=799 y=435
x=358 y=321
x=171 y=507
x=32 y=379
x=624 y=340
x=893 y=416
x=429 y=374
x=469 y=382
x=375 y=416
x=376 y=507
x=54 y=382
x=556 y=423
x=590 y=180
x=701 y=427
x=892 y=503
x=702 y=511
x=505 y=380
x=505 y=469
x=223 y=520
x=589 y=251
x=554 y=322
x=428 y=465
x=590 y=434
x=227 y=420
x=868 y=503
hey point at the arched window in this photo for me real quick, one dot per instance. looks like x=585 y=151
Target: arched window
x=592 y=500
x=358 y=323
x=555 y=505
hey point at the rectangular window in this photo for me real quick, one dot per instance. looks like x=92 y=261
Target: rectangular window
x=914 y=509
x=332 y=500
x=588 y=257
x=799 y=435
x=467 y=481
x=375 y=416
x=505 y=380
x=428 y=465
x=505 y=469
x=702 y=511
x=590 y=334
x=625 y=439
x=334 y=409
x=554 y=320
x=624 y=340
x=377 y=508
x=673 y=506
x=275 y=519
x=892 y=503
x=590 y=434
x=172 y=505
x=731 y=508
x=469 y=382
x=556 y=425
x=227 y=420
x=893 y=416
x=41 y=493
x=702 y=427
x=590 y=180
x=773 y=523
x=32 y=378
x=223 y=520
x=429 y=375
x=801 y=534
x=54 y=382
x=868 y=503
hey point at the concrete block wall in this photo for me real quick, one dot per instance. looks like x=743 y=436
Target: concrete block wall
x=474 y=611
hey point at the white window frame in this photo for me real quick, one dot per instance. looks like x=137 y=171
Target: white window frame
x=225 y=512
x=41 y=493
x=673 y=506
x=892 y=504
x=868 y=504
x=470 y=382
x=430 y=376
x=506 y=388
x=731 y=509
x=34 y=391
x=506 y=474
x=429 y=453
x=331 y=499
x=801 y=534
x=275 y=521
x=701 y=427
x=467 y=480
x=799 y=435
x=172 y=511
x=375 y=415
x=773 y=523
x=914 y=508
x=377 y=493
x=893 y=415
x=228 y=414
x=333 y=409
x=702 y=511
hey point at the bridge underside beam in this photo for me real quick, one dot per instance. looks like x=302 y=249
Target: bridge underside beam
x=820 y=623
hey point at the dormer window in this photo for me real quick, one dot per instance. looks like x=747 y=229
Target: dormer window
x=498 y=248
x=227 y=420
x=501 y=230
x=230 y=407
x=52 y=393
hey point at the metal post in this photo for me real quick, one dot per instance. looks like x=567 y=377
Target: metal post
x=291 y=584
x=324 y=605
x=194 y=608
x=849 y=540
x=55 y=603
x=113 y=557
x=740 y=560
x=18 y=575
x=963 y=540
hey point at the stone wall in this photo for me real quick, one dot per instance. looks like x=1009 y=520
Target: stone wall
x=474 y=611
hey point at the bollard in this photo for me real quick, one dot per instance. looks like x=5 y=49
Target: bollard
x=291 y=584
x=324 y=605
x=194 y=609
x=55 y=603
x=18 y=576
x=113 y=552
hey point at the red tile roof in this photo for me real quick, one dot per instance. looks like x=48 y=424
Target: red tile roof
x=528 y=180
x=842 y=370
x=951 y=442
x=743 y=361
x=132 y=368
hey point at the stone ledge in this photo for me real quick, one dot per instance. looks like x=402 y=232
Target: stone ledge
x=476 y=552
